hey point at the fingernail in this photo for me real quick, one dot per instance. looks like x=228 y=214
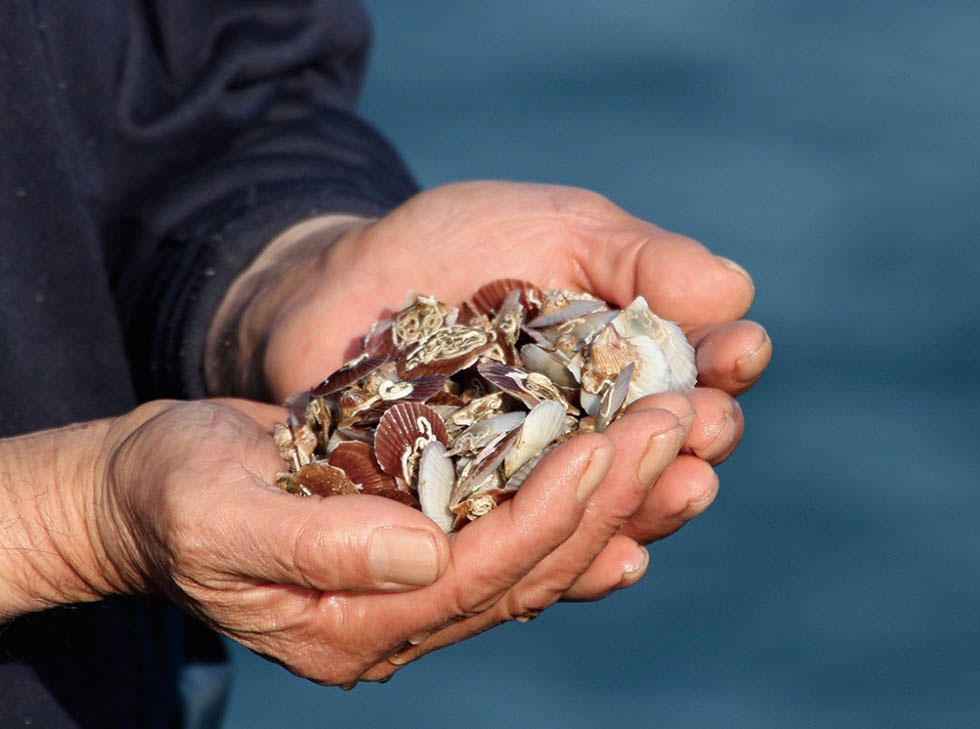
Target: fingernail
x=348 y=686
x=732 y=266
x=400 y=659
x=687 y=420
x=419 y=638
x=404 y=556
x=599 y=463
x=635 y=568
x=748 y=367
x=660 y=452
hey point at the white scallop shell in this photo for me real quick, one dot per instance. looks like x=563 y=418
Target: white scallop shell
x=436 y=480
x=637 y=319
x=543 y=424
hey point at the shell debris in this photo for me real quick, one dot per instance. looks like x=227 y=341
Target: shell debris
x=448 y=409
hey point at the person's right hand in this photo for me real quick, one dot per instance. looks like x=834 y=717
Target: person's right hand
x=329 y=587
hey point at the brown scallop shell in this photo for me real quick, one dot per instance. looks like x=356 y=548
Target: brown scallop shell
x=322 y=479
x=351 y=372
x=445 y=352
x=489 y=297
x=356 y=459
x=402 y=433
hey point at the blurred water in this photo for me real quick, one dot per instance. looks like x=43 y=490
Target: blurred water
x=833 y=148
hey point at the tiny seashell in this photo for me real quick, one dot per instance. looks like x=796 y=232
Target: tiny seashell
x=528 y=387
x=419 y=320
x=549 y=364
x=510 y=318
x=572 y=309
x=478 y=409
x=477 y=436
x=377 y=342
x=354 y=370
x=484 y=464
x=489 y=297
x=613 y=398
x=322 y=479
x=356 y=459
x=637 y=319
x=445 y=351
x=403 y=431
x=543 y=424
x=436 y=481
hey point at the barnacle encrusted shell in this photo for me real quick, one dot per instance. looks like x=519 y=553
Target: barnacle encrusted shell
x=450 y=409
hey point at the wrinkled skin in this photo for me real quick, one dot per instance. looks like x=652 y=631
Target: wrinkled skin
x=526 y=555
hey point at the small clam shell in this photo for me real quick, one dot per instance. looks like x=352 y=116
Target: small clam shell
x=322 y=479
x=637 y=320
x=483 y=466
x=356 y=459
x=478 y=409
x=420 y=319
x=489 y=297
x=377 y=342
x=613 y=398
x=354 y=370
x=572 y=309
x=543 y=424
x=404 y=430
x=530 y=388
x=445 y=351
x=477 y=436
x=436 y=481
x=510 y=318
x=548 y=363
x=652 y=373
x=296 y=405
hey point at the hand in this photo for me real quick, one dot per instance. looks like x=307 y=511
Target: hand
x=330 y=587
x=449 y=241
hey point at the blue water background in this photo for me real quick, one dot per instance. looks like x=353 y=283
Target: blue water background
x=833 y=148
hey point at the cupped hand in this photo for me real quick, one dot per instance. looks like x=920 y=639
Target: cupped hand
x=331 y=587
x=450 y=240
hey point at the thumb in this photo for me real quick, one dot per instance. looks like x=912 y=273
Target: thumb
x=354 y=542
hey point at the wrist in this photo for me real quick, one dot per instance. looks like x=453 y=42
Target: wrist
x=285 y=271
x=50 y=552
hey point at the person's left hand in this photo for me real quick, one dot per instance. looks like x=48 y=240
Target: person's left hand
x=449 y=241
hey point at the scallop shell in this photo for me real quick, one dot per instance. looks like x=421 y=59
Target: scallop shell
x=550 y=364
x=569 y=309
x=489 y=297
x=356 y=459
x=354 y=370
x=445 y=351
x=613 y=399
x=321 y=479
x=528 y=387
x=477 y=436
x=421 y=318
x=436 y=481
x=543 y=424
x=402 y=434
x=637 y=320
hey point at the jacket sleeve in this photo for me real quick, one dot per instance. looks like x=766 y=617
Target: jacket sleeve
x=235 y=119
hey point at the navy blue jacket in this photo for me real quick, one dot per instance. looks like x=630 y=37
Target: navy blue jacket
x=148 y=149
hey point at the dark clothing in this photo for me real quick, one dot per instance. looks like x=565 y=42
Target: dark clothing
x=147 y=151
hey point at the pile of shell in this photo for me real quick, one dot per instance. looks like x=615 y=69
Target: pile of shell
x=449 y=409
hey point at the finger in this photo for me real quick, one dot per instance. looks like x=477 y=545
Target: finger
x=684 y=490
x=621 y=564
x=491 y=554
x=646 y=442
x=718 y=427
x=339 y=543
x=622 y=257
x=731 y=356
